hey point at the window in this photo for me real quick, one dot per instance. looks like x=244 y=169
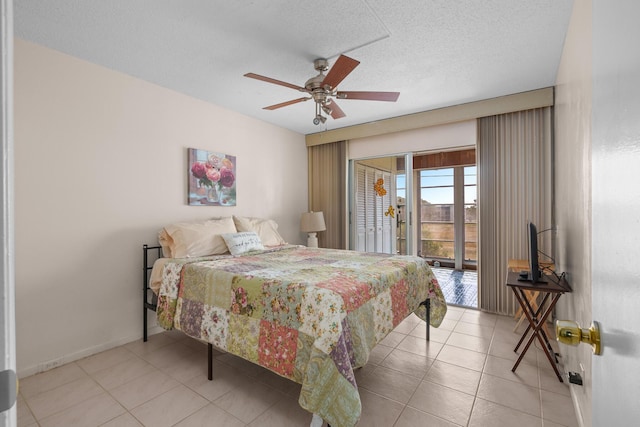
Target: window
x=470 y=215
x=443 y=192
x=437 y=213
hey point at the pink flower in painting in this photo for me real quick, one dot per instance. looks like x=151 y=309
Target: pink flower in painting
x=213 y=175
x=212 y=179
x=199 y=170
x=215 y=170
x=226 y=177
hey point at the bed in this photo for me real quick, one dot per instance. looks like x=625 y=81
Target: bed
x=310 y=315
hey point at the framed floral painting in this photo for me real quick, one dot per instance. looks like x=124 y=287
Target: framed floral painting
x=212 y=178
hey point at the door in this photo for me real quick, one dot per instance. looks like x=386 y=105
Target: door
x=364 y=209
x=385 y=232
x=615 y=203
x=374 y=207
x=374 y=226
x=7 y=290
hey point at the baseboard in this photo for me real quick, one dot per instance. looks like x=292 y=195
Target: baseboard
x=72 y=357
x=576 y=407
x=573 y=390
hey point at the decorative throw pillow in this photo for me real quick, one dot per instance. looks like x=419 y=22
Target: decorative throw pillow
x=240 y=243
x=195 y=239
x=267 y=229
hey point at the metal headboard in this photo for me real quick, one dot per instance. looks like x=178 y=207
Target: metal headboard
x=149 y=298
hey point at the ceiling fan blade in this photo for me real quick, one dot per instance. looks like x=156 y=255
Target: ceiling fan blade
x=284 y=104
x=336 y=111
x=274 y=81
x=341 y=69
x=369 y=96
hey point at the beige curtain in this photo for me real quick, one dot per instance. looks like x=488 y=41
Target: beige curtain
x=515 y=184
x=327 y=190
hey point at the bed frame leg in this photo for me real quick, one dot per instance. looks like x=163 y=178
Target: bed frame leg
x=144 y=326
x=427 y=305
x=210 y=361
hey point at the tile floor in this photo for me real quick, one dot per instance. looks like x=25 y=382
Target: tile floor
x=458 y=287
x=462 y=377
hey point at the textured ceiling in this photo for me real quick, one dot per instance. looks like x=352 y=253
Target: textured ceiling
x=435 y=53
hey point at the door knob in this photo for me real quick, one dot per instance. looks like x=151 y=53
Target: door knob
x=569 y=332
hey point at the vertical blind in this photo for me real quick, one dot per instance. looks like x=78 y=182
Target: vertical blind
x=327 y=190
x=515 y=185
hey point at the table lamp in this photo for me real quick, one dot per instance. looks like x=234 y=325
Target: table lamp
x=312 y=222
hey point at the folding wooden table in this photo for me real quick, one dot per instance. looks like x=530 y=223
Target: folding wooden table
x=519 y=265
x=551 y=290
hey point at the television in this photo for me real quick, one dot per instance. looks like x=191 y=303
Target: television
x=533 y=275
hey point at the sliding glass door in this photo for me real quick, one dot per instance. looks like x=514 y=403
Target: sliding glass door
x=470 y=254
x=448 y=220
x=423 y=204
x=405 y=206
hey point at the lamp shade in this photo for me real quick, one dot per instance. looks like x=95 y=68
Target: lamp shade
x=311 y=222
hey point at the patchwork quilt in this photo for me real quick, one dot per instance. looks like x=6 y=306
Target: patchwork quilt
x=308 y=314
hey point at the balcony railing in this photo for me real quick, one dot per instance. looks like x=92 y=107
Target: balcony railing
x=437 y=240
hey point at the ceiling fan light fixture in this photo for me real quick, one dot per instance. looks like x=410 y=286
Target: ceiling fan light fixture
x=326 y=109
x=319 y=119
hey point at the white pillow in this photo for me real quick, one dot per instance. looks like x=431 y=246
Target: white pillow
x=240 y=243
x=195 y=239
x=267 y=229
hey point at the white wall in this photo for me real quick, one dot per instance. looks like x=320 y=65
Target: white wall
x=442 y=137
x=100 y=160
x=573 y=191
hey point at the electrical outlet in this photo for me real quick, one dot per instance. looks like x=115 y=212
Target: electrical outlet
x=46 y=366
x=575 y=378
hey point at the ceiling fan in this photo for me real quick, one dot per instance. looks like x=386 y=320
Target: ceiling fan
x=322 y=88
